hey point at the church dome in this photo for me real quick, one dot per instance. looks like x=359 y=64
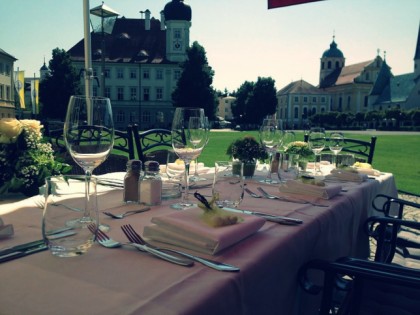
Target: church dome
x=177 y=10
x=333 y=52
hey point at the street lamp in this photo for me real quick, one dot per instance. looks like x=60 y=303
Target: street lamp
x=104 y=18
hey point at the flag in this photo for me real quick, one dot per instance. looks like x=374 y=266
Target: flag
x=34 y=96
x=20 y=87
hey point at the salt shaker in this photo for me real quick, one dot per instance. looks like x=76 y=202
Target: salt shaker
x=131 y=182
x=151 y=184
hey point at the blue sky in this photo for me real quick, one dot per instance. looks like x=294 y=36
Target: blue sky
x=243 y=39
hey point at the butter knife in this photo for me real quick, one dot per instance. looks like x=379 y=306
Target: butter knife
x=269 y=217
x=23 y=253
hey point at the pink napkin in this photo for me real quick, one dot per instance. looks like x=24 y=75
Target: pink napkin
x=297 y=187
x=348 y=176
x=187 y=229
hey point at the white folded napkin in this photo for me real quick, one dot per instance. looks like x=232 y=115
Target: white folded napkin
x=345 y=175
x=6 y=230
x=298 y=187
x=368 y=171
x=188 y=230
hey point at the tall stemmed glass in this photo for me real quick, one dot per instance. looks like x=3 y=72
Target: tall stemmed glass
x=316 y=142
x=188 y=140
x=271 y=138
x=196 y=177
x=336 y=144
x=89 y=135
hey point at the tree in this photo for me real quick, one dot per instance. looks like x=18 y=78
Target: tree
x=194 y=87
x=59 y=84
x=240 y=104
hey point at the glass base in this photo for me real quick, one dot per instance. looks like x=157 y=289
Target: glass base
x=269 y=181
x=69 y=251
x=183 y=206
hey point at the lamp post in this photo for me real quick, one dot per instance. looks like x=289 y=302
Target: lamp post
x=104 y=18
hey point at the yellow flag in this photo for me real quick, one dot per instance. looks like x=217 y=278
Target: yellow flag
x=20 y=87
x=34 y=96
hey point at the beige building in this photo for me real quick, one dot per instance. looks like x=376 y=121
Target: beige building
x=7 y=90
x=224 y=109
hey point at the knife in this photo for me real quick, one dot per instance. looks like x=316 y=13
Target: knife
x=269 y=217
x=22 y=253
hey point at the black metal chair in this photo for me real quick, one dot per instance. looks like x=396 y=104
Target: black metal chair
x=363 y=150
x=374 y=289
x=152 y=144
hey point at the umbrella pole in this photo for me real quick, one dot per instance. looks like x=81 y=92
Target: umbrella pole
x=88 y=50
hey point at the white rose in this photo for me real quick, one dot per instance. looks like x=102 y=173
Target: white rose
x=10 y=129
x=33 y=125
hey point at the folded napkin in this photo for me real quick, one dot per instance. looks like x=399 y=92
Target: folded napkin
x=368 y=171
x=6 y=230
x=179 y=168
x=298 y=187
x=188 y=230
x=347 y=176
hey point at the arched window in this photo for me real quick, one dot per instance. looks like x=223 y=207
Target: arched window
x=296 y=116
x=322 y=65
x=120 y=116
x=329 y=64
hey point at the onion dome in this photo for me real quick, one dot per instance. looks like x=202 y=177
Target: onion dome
x=177 y=10
x=333 y=52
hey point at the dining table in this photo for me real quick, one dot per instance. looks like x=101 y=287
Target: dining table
x=127 y=281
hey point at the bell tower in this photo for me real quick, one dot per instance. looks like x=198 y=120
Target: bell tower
x=331 y=60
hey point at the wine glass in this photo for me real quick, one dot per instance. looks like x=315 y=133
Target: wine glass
x=188 y=140
x=336 y=144
x=89 y=135
x=271 y=138
x=316 y=142
x=196 y=177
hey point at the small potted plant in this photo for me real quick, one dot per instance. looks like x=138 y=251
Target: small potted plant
x=247 y=150
x=301 y=151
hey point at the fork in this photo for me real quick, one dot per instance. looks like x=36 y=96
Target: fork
x=300 y=201
x=108 y=242
x=134 y=237
x=127 y=213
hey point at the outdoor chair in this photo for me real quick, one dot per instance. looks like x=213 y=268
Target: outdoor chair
x=372 y=288
x=152 y=144
x=363 y=150
x=123 y=150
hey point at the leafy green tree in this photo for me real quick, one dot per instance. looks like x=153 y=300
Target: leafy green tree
x=194 y=88
x=60 y=83
x=239 y=107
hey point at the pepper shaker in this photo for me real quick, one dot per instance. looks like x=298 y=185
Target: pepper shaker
x=151 y=184
x=131 y=182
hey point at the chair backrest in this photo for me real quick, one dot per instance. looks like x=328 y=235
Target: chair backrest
x=374 y=288
x=152 y=144
x=123 y=141
x=363 y=150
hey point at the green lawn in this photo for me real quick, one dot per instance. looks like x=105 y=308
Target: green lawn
x=398 y=154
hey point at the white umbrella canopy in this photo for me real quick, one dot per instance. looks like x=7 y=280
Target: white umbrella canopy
x=272 y=4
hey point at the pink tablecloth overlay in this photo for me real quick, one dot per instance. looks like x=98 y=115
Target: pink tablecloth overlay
x=125 y=281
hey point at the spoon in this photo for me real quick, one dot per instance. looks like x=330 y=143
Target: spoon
x=127 y=213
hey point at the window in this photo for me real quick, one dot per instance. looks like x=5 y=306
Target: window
x=120 y=116
x=146 y=93
x=108 y=92
x=133 y=73
x=337 y=64
x=296 y=113
x=296 y=98
x=177 y=74
x=159 y=74
x=305 y=99
x=133 y=93
x=329 y=64
x=146 y=116
x=120 y=93
x=313 y=111
x=305 y=112
x=159 y=93
x=1 y=91
x=322 y=65
x=348 y=101
x=7 y=92
x=146 y=74
x=365 y=104
x=314 y=99
x=177 y=33
x=367 y=76
x=322 y=99
x=159 y=117
x=322 y=109
x=133 y=117
x=120 y=73
x=107 y=73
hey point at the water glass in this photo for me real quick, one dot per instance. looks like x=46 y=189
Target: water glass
x=69 y=208
x=228 y=183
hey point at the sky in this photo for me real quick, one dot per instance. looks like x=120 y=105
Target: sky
x=243 y=40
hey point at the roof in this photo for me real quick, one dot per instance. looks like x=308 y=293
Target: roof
x=299 y=87
x=417 y=54
x=333 y=52
x=382 y=80
x=129 y=42
x=398 y=89
x=345 y=75
x=7 y=54
x=177 y=10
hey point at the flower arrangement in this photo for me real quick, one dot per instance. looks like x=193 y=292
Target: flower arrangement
x=247 y=149
x=25 y=159
x=299 y=147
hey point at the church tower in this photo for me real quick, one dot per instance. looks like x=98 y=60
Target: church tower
x=177 y=17
x=43 y=71
x=417 y=57
x=331 y=60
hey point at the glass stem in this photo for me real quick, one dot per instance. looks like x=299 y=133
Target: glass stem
x=187 y=183
x=87 y=193
x=270 y=159
x=196 y=168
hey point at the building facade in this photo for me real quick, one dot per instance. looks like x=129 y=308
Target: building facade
x=7 y=86
x=142 y=64
x=224 y=108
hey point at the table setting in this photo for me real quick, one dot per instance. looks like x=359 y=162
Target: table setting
x=228 y=244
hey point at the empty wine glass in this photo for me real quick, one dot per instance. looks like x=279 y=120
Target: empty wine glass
x=336 y=144
x=271 y=138
x=316 y=142
x=288 y=137
x=89 y=135
x=188 y=140
x=196 y=177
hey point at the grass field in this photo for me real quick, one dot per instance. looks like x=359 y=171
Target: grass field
x=397 y=154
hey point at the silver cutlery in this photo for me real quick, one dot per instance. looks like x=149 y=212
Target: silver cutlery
x=127 y=213
x=136 y=238
x=251 y=193
x=293 y=200
x=104 y=240
x=268 y=217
